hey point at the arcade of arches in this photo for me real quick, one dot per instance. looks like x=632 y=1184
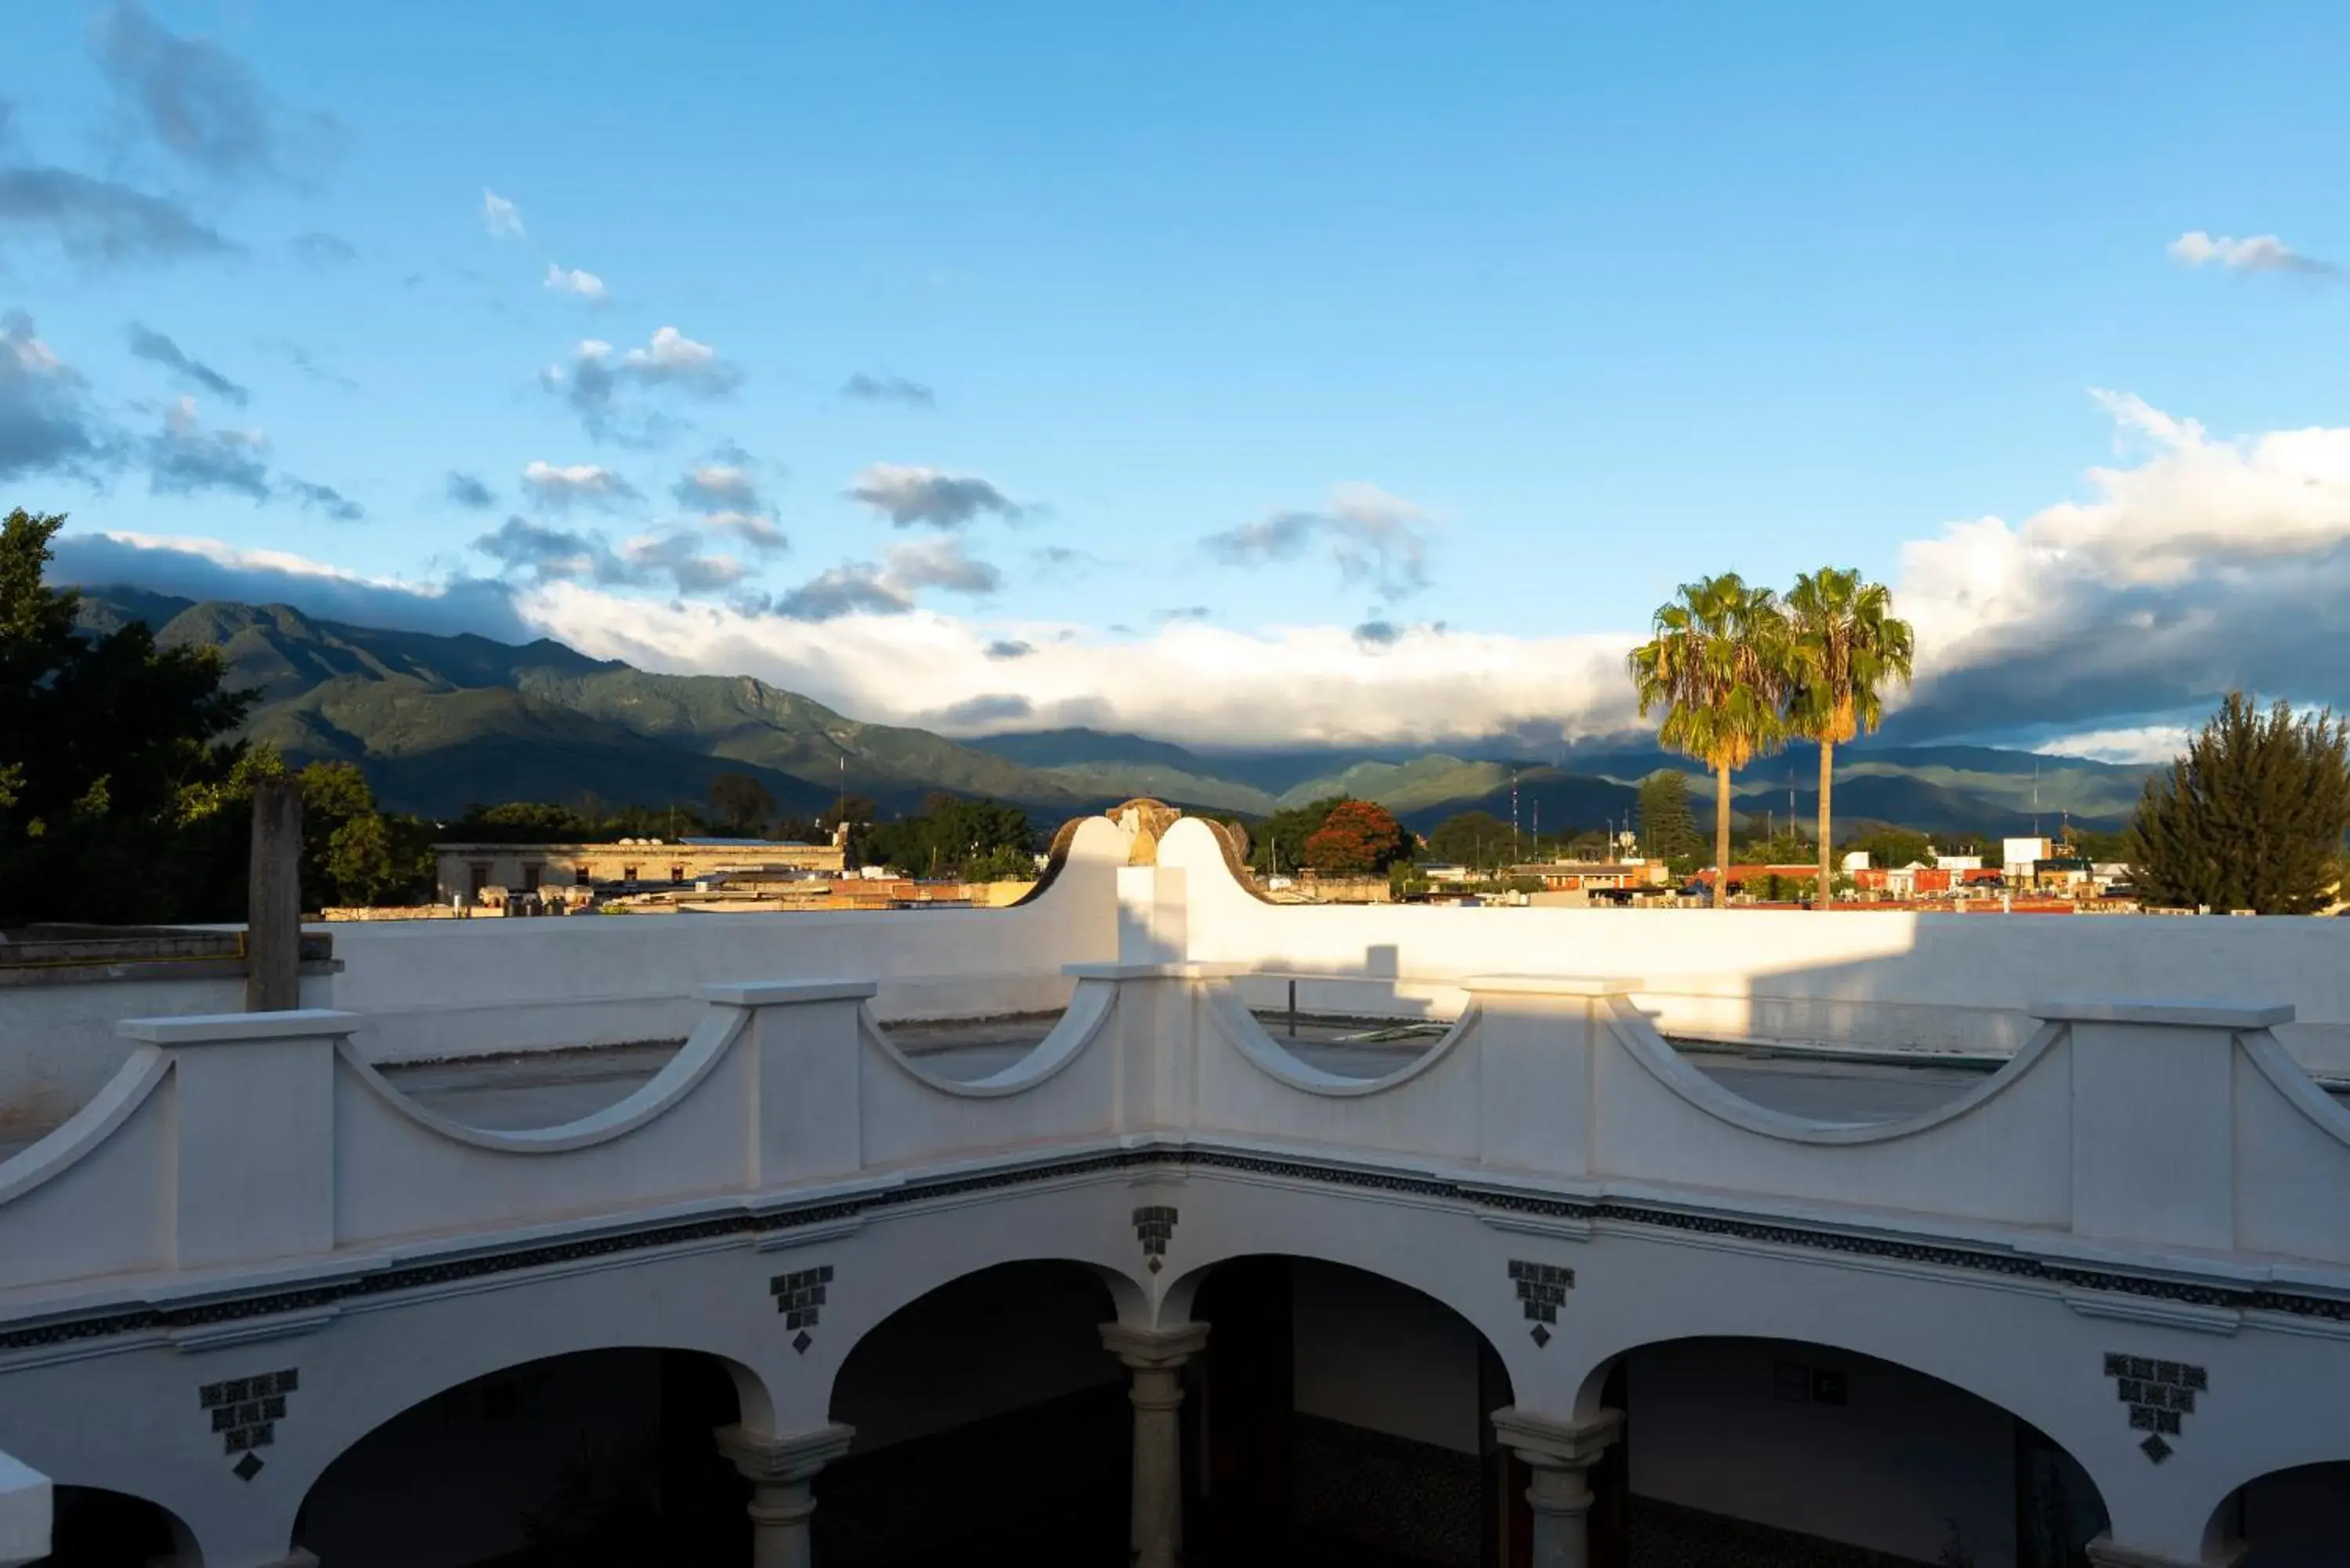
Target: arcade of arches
x=1311 y=1415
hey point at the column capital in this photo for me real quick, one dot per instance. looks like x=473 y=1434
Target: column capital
x=2106 y=1553
x=1154 y=1349
x=1547 y=1442
x=766 y=1459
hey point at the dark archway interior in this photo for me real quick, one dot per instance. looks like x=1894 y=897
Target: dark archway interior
x=599 y=1460
x=93 y=1527
x=1339 y=1419
x=2297 y=1518
x=991 y=1429
x=1748 y=1452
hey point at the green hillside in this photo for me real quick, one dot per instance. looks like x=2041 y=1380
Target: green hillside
x=439 y=723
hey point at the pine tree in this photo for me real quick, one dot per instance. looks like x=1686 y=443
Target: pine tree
x=2251 y=817
x=1668 y=827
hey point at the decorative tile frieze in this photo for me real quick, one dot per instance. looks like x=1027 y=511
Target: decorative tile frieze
x=1986 y=1260
x=2159 y=1394
x=1542 y=1290
x=246 y=1411
x=1154 y=1226
x=799 y=1296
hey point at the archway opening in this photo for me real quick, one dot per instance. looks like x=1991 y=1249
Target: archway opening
x=94 y=1528
x=1339 y=1419
x=992 y=1428
x=2291 y=1519
x=595 y=1459
x=1741 y=1451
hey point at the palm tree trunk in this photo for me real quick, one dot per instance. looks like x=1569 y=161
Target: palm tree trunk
x=1827 y=857
x=1721 y=834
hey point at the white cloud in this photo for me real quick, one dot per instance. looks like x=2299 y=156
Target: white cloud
x=873 y=657
x=2259 y=253
x=586 y=285
x=908 y=495
x=501 y=217
x=586 y=483
x=2144 y=744
x=1372 y=535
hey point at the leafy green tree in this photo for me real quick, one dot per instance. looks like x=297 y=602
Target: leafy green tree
x=1717 y=666
x=119 y=794
x=1278 y=843
x=1357 y=836
x=1478 y=839
x=1844 y=645
x=952 y=836
x=2251 y=817
x=1667 y=825
x=1890 y=848
x=740 y=802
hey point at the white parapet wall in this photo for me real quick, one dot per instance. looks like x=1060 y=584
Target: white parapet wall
x=428 y=989
x=1854 y=978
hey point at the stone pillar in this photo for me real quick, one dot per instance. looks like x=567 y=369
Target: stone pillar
x=780 y=1470
x=273 y=914
x=1157 y=1356
x=1561 y=1454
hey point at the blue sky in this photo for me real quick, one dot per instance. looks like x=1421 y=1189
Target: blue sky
x=1340 y=325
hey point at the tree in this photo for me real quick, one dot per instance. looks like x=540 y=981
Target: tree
x=971 y=840
x=1358 y=838
x=1717 y=665
x=2251 y=817
x=120 y=795
x=741 y=802
x=1280 y=840
x=1844 y=646
x=1668 y=829
x=1473 y=838
x=1890 y=848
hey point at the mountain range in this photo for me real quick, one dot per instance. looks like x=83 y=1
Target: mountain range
x=441 y=723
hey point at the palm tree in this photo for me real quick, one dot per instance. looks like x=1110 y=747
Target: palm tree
x=1844 y=647
x=1717 y=665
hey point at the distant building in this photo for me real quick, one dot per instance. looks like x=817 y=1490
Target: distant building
x=466 y=872
x=2020 y=856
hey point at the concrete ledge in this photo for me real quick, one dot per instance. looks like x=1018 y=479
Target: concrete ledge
x=2179 y=1015
x=1547 y=985
x=1166 y=972
x=214 y=1028
x=779 y=992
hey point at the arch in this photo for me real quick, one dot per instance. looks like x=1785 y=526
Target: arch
x=97 y=1527
x=1744 y=1426
x=1080 y=1022
x=2290 y=1517
x=535 y=1453
x=1342 y=1410
x=1240 y=1028
x=991 y=1396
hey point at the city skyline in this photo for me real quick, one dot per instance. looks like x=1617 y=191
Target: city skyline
x=1234 y=380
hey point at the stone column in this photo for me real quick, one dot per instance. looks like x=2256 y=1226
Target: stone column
x=1561 y=1454
x=780 y=1470
x=1157 y=1356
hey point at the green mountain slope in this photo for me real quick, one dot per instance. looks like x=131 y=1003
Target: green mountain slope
x=439 y=723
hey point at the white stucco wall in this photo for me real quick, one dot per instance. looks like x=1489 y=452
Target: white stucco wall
x=1945 y=982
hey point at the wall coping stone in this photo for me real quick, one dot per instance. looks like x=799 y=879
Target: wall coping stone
x=2186 y=1014
x=223 y=1028
x=772 y=992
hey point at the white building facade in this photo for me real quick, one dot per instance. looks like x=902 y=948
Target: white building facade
x=1546 y=1294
